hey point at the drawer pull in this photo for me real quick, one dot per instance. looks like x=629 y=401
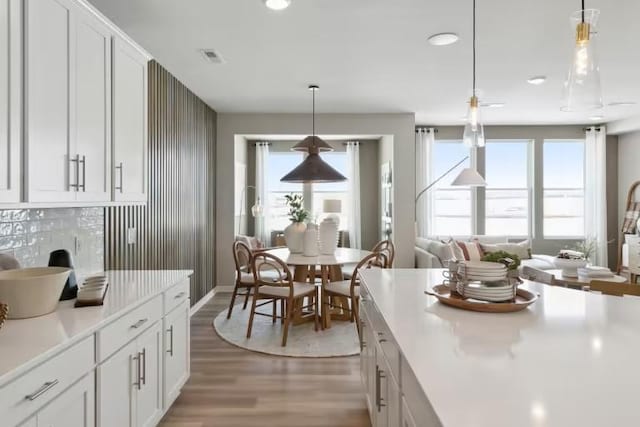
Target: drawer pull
x=138 y=383
x=139 y=323
x=180 y=295
x=170 y=351
x=382 y=340
x=42 y=390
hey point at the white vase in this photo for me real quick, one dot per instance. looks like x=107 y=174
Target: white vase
x=294 y=236
x=311 y=240
x=328 y=236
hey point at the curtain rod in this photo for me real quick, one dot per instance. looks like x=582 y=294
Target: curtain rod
x=596 y=128
x=254 y=143
x=428 y=129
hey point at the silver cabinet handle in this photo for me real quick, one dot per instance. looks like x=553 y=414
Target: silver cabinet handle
x=143 y=377
x=42 y=390
x=75 y=160
x=120 y=188
x=139 y=323
x=138 y=383
x=170 y=351
x=84 y=173
x=382 y=340
x=378 y=387
x=180 y=295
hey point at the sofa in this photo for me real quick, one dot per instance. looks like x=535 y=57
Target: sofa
x=434 y=252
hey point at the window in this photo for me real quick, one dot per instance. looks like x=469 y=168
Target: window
x=332 y=190
x=508 y=189
x=279 y=165
x=563 y=188
x=450 y=209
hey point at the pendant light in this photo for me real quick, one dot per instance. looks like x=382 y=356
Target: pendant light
x=473 y=130
x=313 y=168
x=582 y=91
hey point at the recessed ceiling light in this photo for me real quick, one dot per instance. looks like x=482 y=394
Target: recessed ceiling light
x=277 y=4
x=537 y=80
x=621 y=104
x=443 y=39
x=493 y=105
x=596 y=117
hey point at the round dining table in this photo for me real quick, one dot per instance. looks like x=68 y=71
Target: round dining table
x=330 y=268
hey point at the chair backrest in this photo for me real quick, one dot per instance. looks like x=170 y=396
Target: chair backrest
x=242 y=258
x=269 y=270
x=538 y=275
x=388 y=249
x=373 y=260
x=612 y=288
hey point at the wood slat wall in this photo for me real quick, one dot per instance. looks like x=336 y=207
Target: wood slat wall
x=176 y=229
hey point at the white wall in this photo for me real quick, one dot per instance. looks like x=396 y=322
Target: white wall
x=398 y=126
x=628 y=168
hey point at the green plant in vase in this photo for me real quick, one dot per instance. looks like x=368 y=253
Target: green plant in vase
x=294 y=232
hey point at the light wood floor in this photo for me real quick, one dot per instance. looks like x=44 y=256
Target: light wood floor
x=232 y=387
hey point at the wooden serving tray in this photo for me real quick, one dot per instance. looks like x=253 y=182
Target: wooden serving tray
x=523 y=299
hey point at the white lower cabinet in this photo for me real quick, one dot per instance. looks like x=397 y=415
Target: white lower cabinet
x=176 y=357
x=387 y=394
x=407 y=416
x=130 y=383
x=73 y=408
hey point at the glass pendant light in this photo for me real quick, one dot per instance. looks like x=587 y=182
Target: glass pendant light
x=582 y=91
x=473 y=130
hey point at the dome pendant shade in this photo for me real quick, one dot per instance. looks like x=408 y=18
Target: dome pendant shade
x=312 y=142
x=582 y=90
x=313 y=169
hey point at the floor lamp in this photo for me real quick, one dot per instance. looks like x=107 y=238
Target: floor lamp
x=468 y=177
x=256 y=209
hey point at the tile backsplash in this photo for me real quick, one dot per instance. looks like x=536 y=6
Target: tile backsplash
x=31 y=234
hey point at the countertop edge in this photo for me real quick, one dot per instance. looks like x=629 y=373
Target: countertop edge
x=42 y=357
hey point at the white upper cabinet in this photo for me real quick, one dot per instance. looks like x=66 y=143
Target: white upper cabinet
x=49 y=111
x=10 y=102
x=93 y=108
x=129 y=123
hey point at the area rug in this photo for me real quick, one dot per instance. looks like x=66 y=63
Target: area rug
x=340 y=340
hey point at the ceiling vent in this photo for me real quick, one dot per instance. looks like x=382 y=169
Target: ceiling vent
x=212 y=56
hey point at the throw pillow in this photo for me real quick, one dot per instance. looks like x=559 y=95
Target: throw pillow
x=471 y=251
x=522 y=249
x=456 y=252
x=440 y=250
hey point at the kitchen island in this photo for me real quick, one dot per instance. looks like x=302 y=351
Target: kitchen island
x=570 y=359
x=122 y=363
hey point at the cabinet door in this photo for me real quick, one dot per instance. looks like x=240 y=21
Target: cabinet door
x=73 y=408
x=176 y=356
x=394 y=399
x=117 y=383
x=93 y=108
x=407 y=416
x=367 y=360
x=149 y=396
x=129 y=123
x=380 y=401
x=31 y=422
x=49 y=30
x=10 y=103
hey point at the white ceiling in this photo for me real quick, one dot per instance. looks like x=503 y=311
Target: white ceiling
x=372 y=55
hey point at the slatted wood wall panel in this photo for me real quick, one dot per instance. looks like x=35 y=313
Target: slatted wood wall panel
x=176 y=230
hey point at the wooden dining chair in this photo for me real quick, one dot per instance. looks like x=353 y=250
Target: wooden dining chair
x=283 y=289
x=244 y=284
x=350 y=288
x=388 y=249
x=538 y=275
x=613 y=288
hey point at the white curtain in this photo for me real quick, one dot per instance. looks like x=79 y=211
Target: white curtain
x=262 y=228
x=595 y=197
x=353 y=192
x=424 y=144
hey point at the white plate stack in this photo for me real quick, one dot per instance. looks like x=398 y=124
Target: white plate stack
x=485 y=281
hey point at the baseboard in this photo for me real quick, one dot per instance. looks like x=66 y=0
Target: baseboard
x=205 y=299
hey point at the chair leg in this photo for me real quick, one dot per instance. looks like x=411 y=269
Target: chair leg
x=253 y=311
x=246 y=299
x=316 y=312
x=274 y=314
x=287 y=320
x=355 y=311
x=283 y=311
x=233 y=300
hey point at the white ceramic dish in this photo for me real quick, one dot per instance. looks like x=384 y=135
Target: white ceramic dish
x=32 y=292
x=484 y=265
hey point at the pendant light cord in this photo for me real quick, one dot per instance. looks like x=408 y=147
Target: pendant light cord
x=583 y=11
x=313 y=112
x=474 y=47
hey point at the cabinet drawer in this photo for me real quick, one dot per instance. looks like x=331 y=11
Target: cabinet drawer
x=120 y=332
x=24 y=396
x=385 y=339
x=175 y=295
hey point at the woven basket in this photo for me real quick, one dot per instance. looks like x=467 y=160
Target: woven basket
x=4 y=310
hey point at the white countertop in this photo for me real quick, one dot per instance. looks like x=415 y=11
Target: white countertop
x=570 y=359
x=27 y=342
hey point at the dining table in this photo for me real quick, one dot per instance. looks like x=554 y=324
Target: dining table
x=329 y=267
